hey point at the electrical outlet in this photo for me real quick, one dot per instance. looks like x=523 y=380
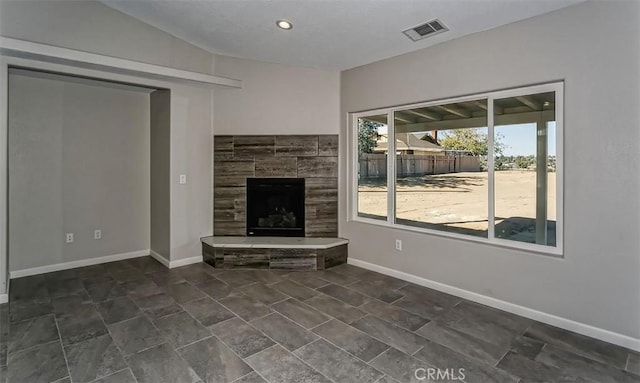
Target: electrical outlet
x=97 y=234
x=399 y=244
x=183 y=179
x=69 y=237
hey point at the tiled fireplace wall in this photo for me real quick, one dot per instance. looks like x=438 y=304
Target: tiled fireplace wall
x=312 y=157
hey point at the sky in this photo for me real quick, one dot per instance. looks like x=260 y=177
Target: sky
x=519 y=140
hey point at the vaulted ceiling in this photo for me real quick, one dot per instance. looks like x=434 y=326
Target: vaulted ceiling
x=326 y=34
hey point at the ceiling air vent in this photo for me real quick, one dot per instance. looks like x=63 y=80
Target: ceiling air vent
x=427 y=29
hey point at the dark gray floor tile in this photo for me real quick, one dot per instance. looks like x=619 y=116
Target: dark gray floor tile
x=463 y=343
x=71 y=305
x=3 y=355
x=117 y=310
x=484 y=322
x=181 y=329
x=399 y=365
x=387 y=379
x=335 y=308
x=242 y=338
x=266 y=277
x=633 y=363
x=381 y=280
x=263 y=294
x=161 y=364
x=125 y=275
x=253 y=377
x=93 y=271
x=165 y=277
x=443 y=358
x=183 y=292
x=85 y=324
x=245 y=307
x=294 y=290
x=307 y=278
x=278 y=365
x=302 y=314
x=336 y=364
x=102 y=289
x=22 y=310
x=352 y=270
x=31 y=332
x=394 y=315
x=215 y=288
x=135 y=334
x=344 y=294
x=423 y=308
x=526 y=346
x=431 y=296
x=376 y=289
x=158 y=305
x=146 y=264
x=207 y=311
x=197 y=273
x=62 y=287
x=44 y=363
x=577 y=365
x=124 y=376
x=141 y=287
x=33 y=288
x=118 y=266
x=287 y=333
x=533 y=371
x=214 y=362
x=580 y=344
x=94 y=359
x=234 y=278
x=394 y=336
x=351 y=339
x=335 y=277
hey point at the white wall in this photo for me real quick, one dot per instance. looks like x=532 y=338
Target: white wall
x=276 y=99
x=160 y=241
x=192 y=155
x=78 y=161
x=598 y=281
x=93 y=27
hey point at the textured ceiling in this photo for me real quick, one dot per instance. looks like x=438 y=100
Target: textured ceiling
x=326 y=34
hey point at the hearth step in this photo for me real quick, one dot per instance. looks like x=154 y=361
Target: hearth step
x=279 y=253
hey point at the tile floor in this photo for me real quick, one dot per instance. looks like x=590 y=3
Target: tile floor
x=135 y=321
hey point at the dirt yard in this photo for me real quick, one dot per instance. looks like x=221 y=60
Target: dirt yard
x=458 y=200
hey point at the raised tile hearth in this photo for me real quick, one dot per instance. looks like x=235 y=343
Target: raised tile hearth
x=285 y=253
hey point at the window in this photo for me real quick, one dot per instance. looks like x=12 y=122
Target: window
x=484 y=167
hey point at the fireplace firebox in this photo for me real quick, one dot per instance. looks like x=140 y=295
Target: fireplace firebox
x=275 y=207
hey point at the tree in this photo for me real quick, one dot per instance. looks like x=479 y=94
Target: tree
x=367 y=135
x=474 y=142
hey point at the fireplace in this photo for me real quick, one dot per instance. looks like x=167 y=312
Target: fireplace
x=275 y=207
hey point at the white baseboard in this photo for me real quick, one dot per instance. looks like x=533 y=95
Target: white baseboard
x=178 y=263
x=185 y=261
x=160 y=258
x=567 y=324
x=74 y=264
x=4 y=298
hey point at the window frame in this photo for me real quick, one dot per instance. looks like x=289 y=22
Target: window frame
x=352 y=168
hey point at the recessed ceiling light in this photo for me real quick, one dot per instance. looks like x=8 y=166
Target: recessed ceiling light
x=284 y=24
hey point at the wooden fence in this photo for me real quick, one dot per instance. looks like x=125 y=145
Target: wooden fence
x=375 y=165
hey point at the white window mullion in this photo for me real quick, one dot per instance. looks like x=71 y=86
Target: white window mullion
x=491 y=169
x=391 y=169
